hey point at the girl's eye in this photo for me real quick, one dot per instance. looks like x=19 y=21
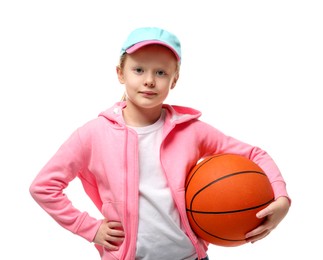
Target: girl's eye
x=138 y=70
x=161 y=73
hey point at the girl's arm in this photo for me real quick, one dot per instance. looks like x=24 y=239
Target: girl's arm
x=48 y=189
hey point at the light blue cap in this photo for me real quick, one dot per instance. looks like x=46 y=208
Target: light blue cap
x=151 y=35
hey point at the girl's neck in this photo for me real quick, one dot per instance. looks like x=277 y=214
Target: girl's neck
x=139 y=117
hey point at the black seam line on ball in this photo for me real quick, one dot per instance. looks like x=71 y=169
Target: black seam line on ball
x=219 y=179
x=229 y=211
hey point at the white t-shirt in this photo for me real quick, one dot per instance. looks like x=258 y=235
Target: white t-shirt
x=159 y=233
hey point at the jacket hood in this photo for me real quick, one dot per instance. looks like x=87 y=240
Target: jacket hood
x=175 y=114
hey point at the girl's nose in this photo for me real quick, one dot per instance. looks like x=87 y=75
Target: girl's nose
x=150 y=81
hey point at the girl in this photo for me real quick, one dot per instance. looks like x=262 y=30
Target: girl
x=133 y=160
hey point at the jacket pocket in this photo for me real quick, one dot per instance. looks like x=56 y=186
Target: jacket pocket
x=113 y=211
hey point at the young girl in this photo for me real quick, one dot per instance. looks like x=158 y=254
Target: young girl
x=133 y=160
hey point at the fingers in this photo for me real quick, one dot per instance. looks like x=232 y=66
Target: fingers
x=254 y=238
x=110 y=246
x=272 y=215
x=116 y=227
x=257 y=231
x=262 y=230
x=110 y=235
x=115 y=234
x=265 y=212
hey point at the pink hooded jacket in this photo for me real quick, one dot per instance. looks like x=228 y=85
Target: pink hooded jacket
x=104 y=155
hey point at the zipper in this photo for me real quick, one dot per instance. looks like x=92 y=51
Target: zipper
x=187 y=228
x=125 y=217
x=131 y=228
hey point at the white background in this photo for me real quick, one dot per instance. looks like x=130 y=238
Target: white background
x=254 y=68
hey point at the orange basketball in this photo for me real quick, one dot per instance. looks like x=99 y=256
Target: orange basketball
x=223 y=194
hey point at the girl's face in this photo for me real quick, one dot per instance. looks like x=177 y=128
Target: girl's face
x=148 y=74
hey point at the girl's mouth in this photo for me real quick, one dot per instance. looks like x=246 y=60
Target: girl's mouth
x=147 y=93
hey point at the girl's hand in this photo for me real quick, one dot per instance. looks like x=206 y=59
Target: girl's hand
x=109 y=235
x=273 y=214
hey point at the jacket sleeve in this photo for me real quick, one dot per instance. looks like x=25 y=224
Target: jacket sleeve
x=215 y=142
x=47 y=189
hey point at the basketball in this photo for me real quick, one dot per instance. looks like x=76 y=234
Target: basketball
x=223 y=194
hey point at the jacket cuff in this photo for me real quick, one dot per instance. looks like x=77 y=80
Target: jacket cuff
x=279 y=188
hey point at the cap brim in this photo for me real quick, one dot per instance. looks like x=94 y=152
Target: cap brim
x=139 y=45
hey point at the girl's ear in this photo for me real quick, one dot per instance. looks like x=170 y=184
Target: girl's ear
x=120 y=74
x=175 y=81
